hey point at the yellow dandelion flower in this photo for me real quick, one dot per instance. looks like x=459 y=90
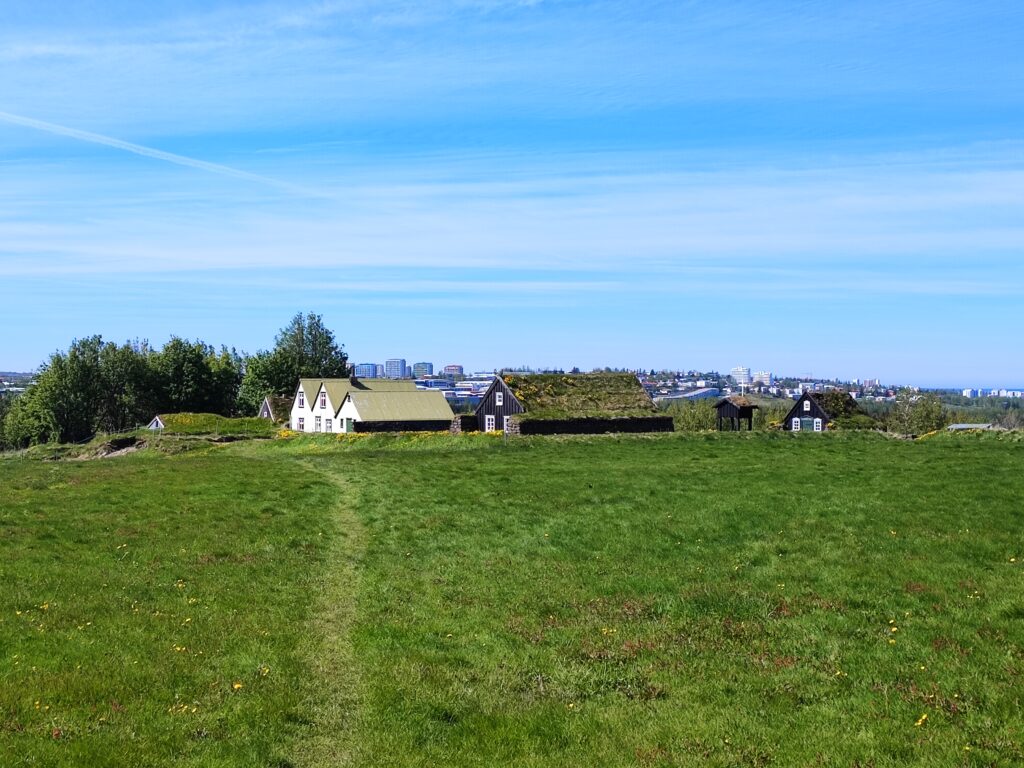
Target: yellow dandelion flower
x=921 y=720
x=236 y=686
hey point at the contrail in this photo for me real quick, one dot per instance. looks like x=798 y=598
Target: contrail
x=138 y=149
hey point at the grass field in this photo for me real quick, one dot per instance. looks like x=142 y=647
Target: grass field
x=675 y=600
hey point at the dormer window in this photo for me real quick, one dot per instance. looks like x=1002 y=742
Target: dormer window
x=323 y=399
x=499 y=398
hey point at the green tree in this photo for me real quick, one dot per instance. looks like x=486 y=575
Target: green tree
x=305 y=348
x=916 y=414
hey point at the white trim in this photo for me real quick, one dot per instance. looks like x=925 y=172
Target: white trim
x=817 y=425
x=328 y=425
x=807 y=406
x=317 y=423
x=796 y=424
x=489 y=422
x=302 y=425
x=504 y=424
x=499 y=397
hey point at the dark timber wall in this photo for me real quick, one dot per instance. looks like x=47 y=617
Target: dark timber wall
x=594 y=426
x=440 y=425
x=463 y=422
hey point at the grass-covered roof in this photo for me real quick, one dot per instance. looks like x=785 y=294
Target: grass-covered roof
x=580 y=395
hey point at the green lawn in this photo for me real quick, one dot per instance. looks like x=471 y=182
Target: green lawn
x=675 y=600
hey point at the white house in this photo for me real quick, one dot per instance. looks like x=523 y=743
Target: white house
x=316 y=402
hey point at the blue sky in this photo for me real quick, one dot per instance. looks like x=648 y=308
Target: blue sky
x=835 y=189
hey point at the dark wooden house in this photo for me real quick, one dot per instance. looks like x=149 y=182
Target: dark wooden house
x=733 y=411
x=497 y=407
x=815 y=411
x=587 y=403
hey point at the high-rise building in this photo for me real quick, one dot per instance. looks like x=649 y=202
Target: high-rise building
x=764 y=377
x=366 y=371
x=419 y=370
x=380 y=371
x=453 y=370
x=394 y=368
x=741 y=375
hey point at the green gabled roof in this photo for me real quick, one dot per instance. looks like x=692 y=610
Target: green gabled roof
x=580 y=395
x=338 y=389
x=417 y=405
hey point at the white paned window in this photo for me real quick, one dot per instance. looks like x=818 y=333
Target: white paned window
x=499 y=398
x=489 y=423
x=317 y=424
x=302 y=424
x=302 y=399
x=505 y=423
x=327 y=426
x=323 y=399
x=807 y=406
x=796 y=425
x=817 y=425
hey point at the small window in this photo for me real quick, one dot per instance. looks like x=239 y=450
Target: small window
x=499 y=398
x=302 y=424
x=505 y=422
x=323 y=399
x=817 y=425
x=327 y=426
x=302 y=399
x=796 y=425
x=317 y=425
x=489 y=423
x=807 y=406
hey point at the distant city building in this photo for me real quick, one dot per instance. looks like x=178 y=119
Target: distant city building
x=394 y=368
x=419 y=370
x=741 y=375
x=366 y=371
x=408 y=371
x=380 y=371
x=764 y=377
x=453 y=370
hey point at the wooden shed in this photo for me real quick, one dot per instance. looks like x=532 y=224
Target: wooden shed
x=734 y=411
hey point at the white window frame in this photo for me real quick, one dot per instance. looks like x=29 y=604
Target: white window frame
x=328 y=425
x=323 y=399
x=796 y=424
x=302 y=424
x=504 y=423
x=818 y=425
x=302 y=399
x=489 y=422
x=807 y=406
x=317 y=424
x=499 y=398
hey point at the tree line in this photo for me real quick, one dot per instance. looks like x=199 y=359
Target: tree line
x=100 y=386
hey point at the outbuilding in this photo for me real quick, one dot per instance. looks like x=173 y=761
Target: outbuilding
x=734 y=410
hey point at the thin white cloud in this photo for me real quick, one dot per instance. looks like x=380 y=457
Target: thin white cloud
x=156 y=154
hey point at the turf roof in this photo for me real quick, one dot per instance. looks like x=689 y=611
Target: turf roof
x=583 y=395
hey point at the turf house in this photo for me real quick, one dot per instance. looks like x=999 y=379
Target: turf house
x=589 y=403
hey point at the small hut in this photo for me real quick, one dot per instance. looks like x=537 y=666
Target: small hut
x=733 y=411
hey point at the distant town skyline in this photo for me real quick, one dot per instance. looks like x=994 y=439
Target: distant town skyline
x=810 y=188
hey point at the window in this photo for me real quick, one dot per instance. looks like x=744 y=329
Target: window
x=327 y=426
x=817 y=425
x=504 y=425
x=316 y=424
x=796 y=424
x=302 y=424
x=302 y=399
x=499 y=398
x=489 y=423
x=323 y=399
x=807 y=406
